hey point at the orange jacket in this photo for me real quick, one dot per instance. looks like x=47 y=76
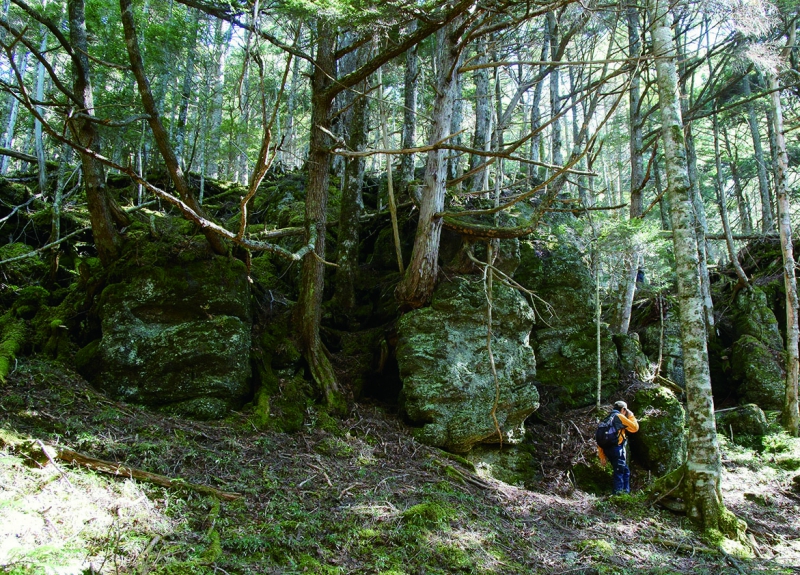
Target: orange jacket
x=629 y=424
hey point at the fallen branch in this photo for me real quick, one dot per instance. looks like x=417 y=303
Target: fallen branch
x=118 y=469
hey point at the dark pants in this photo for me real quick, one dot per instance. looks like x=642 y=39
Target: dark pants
x=621 y=480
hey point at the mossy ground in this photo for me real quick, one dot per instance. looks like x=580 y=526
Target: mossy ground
x=357 y=495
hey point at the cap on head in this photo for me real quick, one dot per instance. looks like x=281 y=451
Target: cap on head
x=620 y=405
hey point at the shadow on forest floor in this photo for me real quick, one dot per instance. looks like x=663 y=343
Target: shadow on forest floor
x=345 y=496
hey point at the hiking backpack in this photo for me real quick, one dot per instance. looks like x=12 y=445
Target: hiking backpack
x=606 y=436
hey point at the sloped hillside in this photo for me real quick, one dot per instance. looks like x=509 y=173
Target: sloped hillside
x=358 y=495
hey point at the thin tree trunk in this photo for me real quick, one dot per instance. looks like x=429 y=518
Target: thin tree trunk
x=389 y=182
x=635 y=115
x=741 y=201
x=186 y=91
x=703 y=469
x=723 y=208
x=663 y=203
x=101 y=213
x=556 y=145
x=352 y=203
x=481 y=139
x=767 y=222
x=154 y=119
x=8 y=137
x=312 y=274
x=416 y=288
x=790 y=409
x=410 y=81
x=536 y=118
x=700 y=222
x=37 y=125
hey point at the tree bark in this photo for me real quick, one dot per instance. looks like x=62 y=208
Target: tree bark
x=416 y=287
x=741 y=201
x=101 y=213
x=790 y=409
x=556 y=145
x=409 y=114
x=723 y=208
x=186 y=91
x=701 y=488
x=767 y=222
x=312 y=274
x=481 y=139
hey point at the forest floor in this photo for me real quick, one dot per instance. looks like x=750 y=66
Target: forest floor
x=358 y=495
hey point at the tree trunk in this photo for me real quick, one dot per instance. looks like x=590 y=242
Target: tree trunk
x=733 y=162
x=312 y=275
x=186 y=91
x=699 y=210
x=162 y=140
x=536 y=119
x=767 y=222
x=635 y=115
x=790 y=409
x=701 y=486
x=481 y=139
x=723 y=208
x=106 y=236
x=556 y=145
x=409 y=114
x=416 y=287
x=351 y=205
x=37 y=125
x=8 y=137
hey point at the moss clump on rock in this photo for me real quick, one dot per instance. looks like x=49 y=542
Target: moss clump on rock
x=660 y=444
x=759 y=371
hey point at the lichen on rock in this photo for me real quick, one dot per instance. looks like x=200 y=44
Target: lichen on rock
x=448 y=386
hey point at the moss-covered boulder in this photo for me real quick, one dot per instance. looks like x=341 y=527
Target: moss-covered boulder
x=556 y=273
x=746 y=420
x=448 y=385
x=177 y=337
x=758 y=369
x=511 y=465
x=564 y=337
x=632 y=359
x=566 y=369
x=752 y=316
x=660 y=444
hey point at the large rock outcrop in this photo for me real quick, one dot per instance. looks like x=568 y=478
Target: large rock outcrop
x=757 y=358
x=448 y=385
x=175 y=336
x=564 y=337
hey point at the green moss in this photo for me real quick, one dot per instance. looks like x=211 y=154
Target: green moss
x=260 y=417
x=427 y=514
x=596 y=547
x=12 y=335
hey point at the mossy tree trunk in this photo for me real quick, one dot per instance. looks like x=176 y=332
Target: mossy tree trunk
x=702 y=471
x=790 y=409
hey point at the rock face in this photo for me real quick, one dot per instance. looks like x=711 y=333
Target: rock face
x=757 y=358
x=671 y=350
x=565 y=335
x=448 y=385
x=176 y=336
x=660 y=444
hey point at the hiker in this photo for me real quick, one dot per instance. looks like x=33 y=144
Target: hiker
x=623 y=422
